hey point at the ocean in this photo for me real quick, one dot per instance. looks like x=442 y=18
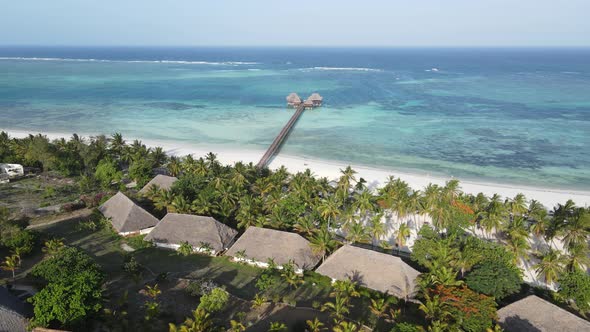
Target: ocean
x=517 y=116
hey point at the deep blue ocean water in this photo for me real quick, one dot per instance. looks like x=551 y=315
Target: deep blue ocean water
x=504 y=115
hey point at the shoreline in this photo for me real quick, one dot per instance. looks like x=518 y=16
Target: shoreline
x=374 y=176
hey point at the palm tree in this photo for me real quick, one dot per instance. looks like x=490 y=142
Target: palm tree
x=550 y=266
x=432 y=307
x=577 y=257
x=180 y=205
x=163 y=201
x=329 y=209
x=338 y=308
x=314 y=325
x=53 y=246
x=305 y=225
x=185 y=249
x=356 y=232
x=377 y=228
x=345 y=326
x=158 y=156
x=517 y=205
x=11 y=263
x=117 y=144
x=494 y=216
x=577 y=228
x=200 y=322
x=174 y=166
x=379 y=307
x=402 y=234
x=322 y=242
x=277 y=327
x=519 y=247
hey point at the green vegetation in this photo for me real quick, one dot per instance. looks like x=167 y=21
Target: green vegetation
x=470 y=251
x=72 y=291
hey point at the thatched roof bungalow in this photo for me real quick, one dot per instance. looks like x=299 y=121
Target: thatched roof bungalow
x=127 y=217
x=293 y=99
x=535 y=314
x=378 y=271
x=316 y=99
x=257 y=245
x=161 y=181
x=12 y=312
x=204 y=234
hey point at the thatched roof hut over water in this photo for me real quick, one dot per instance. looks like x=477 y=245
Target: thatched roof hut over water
x=293 y=99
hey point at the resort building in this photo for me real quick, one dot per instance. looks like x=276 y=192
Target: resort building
x=259 y=245
x=315 y=99
x=535 y=314
x=12 y=312
x=378 y=271
x=293 y=100
x=163 y=182
x=127 y=217
x=204 y=234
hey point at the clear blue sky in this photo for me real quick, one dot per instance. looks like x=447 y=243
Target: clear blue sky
x=302 y=22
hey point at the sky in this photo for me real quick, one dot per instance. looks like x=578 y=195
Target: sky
x=387 y=23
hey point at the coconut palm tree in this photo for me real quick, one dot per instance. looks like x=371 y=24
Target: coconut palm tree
x=329 y=209
x=174 y=166
x=517 y=206
x=519 y=247
x=377 y=228
x=322 y=242
x=163 y=201
x=338 y=308
x=53 y=246
x=305 y=225
x=551 y=266
x=200 y=322
x=402 y=234
x=356 y=232
x=314 y=325
x=180 y=205
x=577 y=257
x=577 y=228
x=11 y=263
x=345 y=326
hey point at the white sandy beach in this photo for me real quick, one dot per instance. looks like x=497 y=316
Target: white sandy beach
x=374 y=177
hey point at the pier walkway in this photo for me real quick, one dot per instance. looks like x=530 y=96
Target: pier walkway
x=276 y=144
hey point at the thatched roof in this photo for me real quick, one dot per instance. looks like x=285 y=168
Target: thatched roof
x=12 y=311
x=371 y=269
x=535 y=314
x=126 y=216
x=177 y=228
x=315 y=97
x=260 y=244
x=161 y=181
x=293 y=98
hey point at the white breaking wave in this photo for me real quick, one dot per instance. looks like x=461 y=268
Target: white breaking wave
x=223 y=63
x=342 y=68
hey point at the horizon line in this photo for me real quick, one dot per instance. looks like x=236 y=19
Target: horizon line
x=307 y=46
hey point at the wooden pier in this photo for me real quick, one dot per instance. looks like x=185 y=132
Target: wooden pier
x=276 y=144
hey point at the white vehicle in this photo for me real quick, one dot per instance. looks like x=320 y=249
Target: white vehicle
x=10 y=171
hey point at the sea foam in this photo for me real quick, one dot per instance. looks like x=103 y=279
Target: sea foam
x=221 y=63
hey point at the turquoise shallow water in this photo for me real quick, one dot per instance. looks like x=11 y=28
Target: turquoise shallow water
x=518 y=116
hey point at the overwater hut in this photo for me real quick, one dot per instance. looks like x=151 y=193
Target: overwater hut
x=258 y=245
x=535 y=314
x=127 y=217
x=315 y=99
x=371 y=269
x=293 y=100
x=163 y=182
x=204 y=234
